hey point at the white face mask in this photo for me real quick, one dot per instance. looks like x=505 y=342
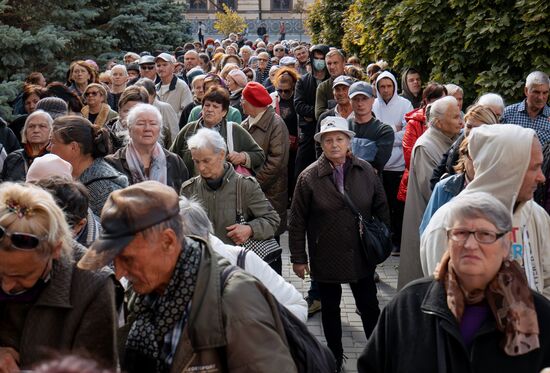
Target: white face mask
x=319 y=64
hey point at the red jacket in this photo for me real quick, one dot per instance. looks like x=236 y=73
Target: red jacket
x=416 y=126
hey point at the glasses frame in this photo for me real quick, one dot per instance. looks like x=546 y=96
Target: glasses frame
x=4 y=233
x=498 y=235
x=93 y=93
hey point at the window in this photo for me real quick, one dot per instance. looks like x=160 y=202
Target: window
x=281 y=4
x=230 y=3
x=197 y=4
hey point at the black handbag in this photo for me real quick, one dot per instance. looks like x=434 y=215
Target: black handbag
x=374 y=233
x=269 y=250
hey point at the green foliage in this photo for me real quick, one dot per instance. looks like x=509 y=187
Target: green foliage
x=483 y=45
x=229 y=21
x=324 y=21
x=47 y=35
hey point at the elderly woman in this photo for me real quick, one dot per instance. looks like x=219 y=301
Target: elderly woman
x=197 y=88
x=96 y=109
x=319 y=212
x=445 y=123
x=144 y=158
x=36 y=136
x=236 y=81
x=84 y=145
x=216 y=188
x=494 y=101
x=215 y=107
x=476 y=116
x=477 y=315
x=81 y=74
x=46 y=303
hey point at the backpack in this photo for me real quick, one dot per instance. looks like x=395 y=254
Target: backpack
x=309 y=355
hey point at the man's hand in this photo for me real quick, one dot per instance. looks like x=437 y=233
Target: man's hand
x=9 y=358
x=300 y=269
x=239 y=233
x=236 y=158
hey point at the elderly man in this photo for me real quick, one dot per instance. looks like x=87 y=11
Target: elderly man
x=533 y=112
x=190 y=60
x=507 y=163
x=147 y=68
x=119 y=80
x=324 y=100
x=171 y=89
x=184 y=321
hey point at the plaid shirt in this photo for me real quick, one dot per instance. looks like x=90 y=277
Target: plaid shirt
x=517 y=114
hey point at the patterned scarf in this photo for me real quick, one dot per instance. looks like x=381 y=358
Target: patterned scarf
x=158 y=315
x=102 y=116
x=509 y=298
x=157 y=168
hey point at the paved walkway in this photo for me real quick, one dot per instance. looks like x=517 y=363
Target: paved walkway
x=353 y=337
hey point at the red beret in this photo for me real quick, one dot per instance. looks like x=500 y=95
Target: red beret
x=256 y=95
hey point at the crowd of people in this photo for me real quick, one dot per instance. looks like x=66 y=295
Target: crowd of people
x=130 y=189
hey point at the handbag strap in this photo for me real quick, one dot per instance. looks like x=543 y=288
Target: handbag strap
x=229 y=127
x=352 y=206
x=239 y=196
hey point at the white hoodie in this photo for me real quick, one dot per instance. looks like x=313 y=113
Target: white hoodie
x=501 y=156
x=392 y=113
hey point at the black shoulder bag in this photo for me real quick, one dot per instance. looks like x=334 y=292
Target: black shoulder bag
x=375 y=235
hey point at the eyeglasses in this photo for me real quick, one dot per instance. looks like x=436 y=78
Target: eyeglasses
x=21 y=241
x=461 y=235
x=91 y=93
x=147 y=67
x=285 y=91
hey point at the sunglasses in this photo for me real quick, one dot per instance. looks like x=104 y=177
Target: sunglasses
x=91 y=93
x=285 y=91
x=147 y=67
x=21 y=241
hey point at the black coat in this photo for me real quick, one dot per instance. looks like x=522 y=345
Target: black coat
x=176 y=173
x=405 y=338
x=320 y=210
x=15 y=166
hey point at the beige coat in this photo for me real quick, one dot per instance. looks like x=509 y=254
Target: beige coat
x=426 y=154
x=271 y=134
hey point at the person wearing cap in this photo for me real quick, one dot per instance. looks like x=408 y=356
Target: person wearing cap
x=340 y=89
x=133 y=73
x=373 y=141
x=54 y=106
x=96 y=109
x=243 y=150
x=182 y=317
x=304 y=102
x=236 y=81
x=270 y=132
x=147 y=68
x=171 y=89
x=46 y=303
x=35 y=139
x=320 y=215
x=335 y=62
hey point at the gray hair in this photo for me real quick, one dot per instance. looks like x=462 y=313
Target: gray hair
x=479 y=205
x=207 y=138
x=136 y=111
x=119 y=67
x=491 y=99
x=148 y=84
x=194 y=218
x=35 y=113
x=437 y=109
x=536 y=78
x=246 y=48
x=453 y=88
x=198 y=78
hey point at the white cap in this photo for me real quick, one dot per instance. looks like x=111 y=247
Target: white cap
x=47 y=166
x=333 y=124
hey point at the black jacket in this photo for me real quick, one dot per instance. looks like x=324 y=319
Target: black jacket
x=304 y=103
x=405 y=338
x=176 y=172
x=15 y=166
x=8 y=137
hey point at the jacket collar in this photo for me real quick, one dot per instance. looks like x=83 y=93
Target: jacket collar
x=265 y=120
x=58 y=291
x=324 y=167
x=172 y=86
x=454 y=183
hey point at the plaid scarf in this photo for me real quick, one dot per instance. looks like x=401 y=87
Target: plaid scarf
x=157 y=316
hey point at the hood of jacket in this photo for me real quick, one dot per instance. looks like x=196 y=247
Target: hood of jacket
x=501 y=156
x=404 y=86
x=393 y=111
x=386 y=74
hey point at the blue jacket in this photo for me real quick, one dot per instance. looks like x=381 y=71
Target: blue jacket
x=445 y=190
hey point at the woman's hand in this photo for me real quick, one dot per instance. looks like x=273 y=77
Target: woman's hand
x=239 y=233
x=8 y=360
x=300 y=269
x=236 y=158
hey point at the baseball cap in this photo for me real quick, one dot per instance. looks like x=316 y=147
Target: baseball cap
x=127 y=212
x=333 y=124
x=343 y=80
x=360 y=88
x=287 y=61
x=146 y=59
x=166 y=57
